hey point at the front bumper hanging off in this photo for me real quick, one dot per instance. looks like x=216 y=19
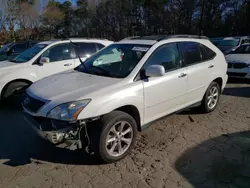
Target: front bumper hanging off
x=61 y=134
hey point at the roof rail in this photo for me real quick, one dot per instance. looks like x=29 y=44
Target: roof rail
x=187 y=36
x=164 y=37
x=84 y=38
x=150 y=37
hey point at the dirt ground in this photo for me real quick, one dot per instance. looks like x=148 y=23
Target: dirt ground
x=183 y=150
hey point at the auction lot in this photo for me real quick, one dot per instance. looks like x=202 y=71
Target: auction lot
x=183 y=150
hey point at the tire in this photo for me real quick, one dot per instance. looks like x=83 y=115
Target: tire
x=206 y=105
x=105 y=132
x=12 y=88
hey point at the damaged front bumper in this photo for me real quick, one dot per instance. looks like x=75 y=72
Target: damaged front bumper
x=61 y=134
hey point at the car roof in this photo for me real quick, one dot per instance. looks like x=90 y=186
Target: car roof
x=151 y=40
x=103 y=41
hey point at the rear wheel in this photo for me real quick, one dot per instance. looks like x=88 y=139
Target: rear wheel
x=211 y=98
x=116 y=136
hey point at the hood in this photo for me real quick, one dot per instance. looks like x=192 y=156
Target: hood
x=69 y=86
x=238 y=58
x=226 y=48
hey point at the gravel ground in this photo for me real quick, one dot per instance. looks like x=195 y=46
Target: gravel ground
x=183 y=150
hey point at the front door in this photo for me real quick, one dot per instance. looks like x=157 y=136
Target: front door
x=166 y=94
x=61 y=59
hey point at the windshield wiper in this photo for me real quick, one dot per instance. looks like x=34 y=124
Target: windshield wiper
x=79 y=57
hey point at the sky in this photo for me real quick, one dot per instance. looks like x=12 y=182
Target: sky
x=44 y=2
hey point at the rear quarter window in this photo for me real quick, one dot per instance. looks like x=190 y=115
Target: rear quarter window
x=206 y=53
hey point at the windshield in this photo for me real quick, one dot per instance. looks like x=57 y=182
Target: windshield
x=228 y=42
x=242 y=50
x=215 y=40
x=117 y=60
x=29 y=54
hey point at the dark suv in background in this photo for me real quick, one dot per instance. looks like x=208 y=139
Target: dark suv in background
x=10 y=50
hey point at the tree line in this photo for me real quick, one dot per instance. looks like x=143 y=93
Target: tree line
x=116 y=19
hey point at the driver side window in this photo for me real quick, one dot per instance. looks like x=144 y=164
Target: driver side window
x=58 y=53
x=166 y=55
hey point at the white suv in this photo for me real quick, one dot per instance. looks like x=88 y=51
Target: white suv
x=101 y=106
x=44 y=59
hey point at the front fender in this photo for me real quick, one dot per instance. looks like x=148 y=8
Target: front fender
x=109 y=102
x=17 y=75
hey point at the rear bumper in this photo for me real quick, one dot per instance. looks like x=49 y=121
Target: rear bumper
x=68 y=138
x=225 y=79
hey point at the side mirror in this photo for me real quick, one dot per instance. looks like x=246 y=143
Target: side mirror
x=44 y=60
x=155 y=71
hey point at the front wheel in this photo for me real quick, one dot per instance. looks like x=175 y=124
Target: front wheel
x=211 y=98
x=15 y=89
x=116 y=137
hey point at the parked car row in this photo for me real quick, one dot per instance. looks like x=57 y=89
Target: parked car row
x=11 y=50
x=44 y=59
x=237 y=52
x=229 y=44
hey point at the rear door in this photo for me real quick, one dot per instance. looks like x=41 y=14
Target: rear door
x=199 y=62
x=61 y=59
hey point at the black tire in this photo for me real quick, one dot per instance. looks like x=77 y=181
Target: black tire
x=204 y=104
x=100 y=132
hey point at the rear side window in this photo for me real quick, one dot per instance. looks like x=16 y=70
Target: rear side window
x=18 y=48
x=33 y=43
x=206 y=53
x=191 y=52
x=245 y=41
x=85 y=49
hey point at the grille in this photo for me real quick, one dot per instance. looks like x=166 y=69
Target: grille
x=239 y=65
x=236 y=74
x=230 y=65
x=31 y=104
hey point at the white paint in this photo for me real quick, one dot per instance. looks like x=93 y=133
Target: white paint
x=154 y=98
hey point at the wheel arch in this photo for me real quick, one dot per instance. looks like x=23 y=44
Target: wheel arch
x=13 y=81
x=219 y=81
x=134 y=112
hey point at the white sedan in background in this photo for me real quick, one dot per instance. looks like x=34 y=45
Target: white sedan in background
x=239 y=62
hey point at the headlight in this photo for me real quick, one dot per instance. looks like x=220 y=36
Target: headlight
x=68 y=111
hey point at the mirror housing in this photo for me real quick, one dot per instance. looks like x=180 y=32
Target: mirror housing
x=155 y=71
x=44 y=60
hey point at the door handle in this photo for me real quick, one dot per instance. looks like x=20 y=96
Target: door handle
x=182 y=75
x=68 y=64
x=211 y=66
